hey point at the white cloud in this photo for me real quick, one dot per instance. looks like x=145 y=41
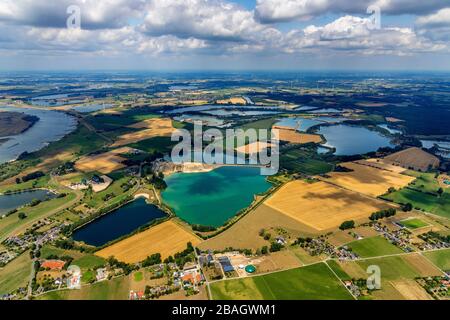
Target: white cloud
x=435 y=26
x=353 y=35
x=213 y=27
x=95 y=14
x=269 y=11
x=209 y=20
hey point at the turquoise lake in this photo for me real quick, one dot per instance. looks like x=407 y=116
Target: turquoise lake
x=212 y=198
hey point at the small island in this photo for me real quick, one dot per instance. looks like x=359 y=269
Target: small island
x=14 y=123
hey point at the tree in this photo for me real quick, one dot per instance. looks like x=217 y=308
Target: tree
x=152 y=260
x=440 y=192
x=347 y=225
x=391 y=190
x=407 y=207
x=265 y=250
x=22 y=215
x=275 y=246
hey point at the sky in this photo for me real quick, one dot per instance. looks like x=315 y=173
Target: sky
x=225 y=35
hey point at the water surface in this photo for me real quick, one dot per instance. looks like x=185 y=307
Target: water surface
x=9 y=202
x=118 y=223
x=52 y=126
x=352 y=140
x=214 y=197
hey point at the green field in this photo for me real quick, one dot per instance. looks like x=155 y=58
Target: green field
x=32 y=184
x=260 y=124
x=425 y=182
x=89 y=261
x=116 y=289
x=338 y=270
x=373 y=247
x=440 y=258
x=392 y=268
x=95 y=200
x=418 y=194
x=413 y=223
x=12 y=222
x=88 y=276
x=80 y=142
x=138 y=276
x=49 y=250
x=304 y=160
x=314 y=282
x=15 y=274
x=423 y=201
x=158 y=144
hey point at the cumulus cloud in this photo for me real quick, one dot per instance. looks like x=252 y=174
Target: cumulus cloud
x=209 y=20
x=354 y=35
x=270 y=11
x=214 y=27
x=95 y=14
x=435 y=26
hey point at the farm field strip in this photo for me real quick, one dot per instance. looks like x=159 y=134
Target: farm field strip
x=104 y=163
x=367 y=179
x=311 y=282
x=151 y=128
x=321 y=205
x=166 y=238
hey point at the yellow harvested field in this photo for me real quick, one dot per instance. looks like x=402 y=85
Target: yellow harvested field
x=293 y=136
x=157 y=127
x=194 y=102
x=411 y=290
x=244 y=234
x=381 y=164
x=422 y=265
x=254 y=147
x=166 y=238
x=104 y=163
x=367 y=179
x=321 y=205
x=234 y=100
x=414 y=158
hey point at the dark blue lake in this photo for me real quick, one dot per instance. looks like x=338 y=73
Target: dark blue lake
x=118 y=223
